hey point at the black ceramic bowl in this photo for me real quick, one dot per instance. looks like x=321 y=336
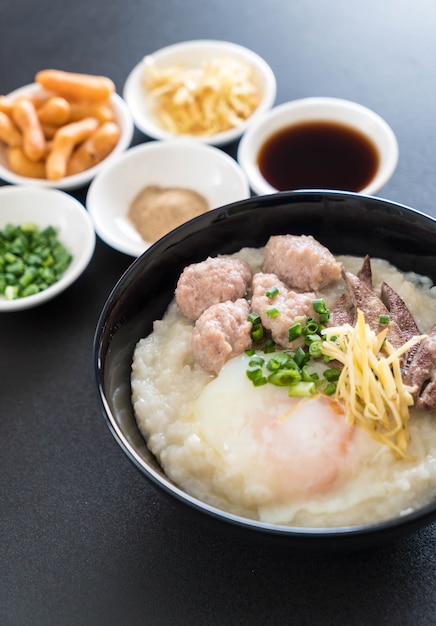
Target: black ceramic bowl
x=346 y=223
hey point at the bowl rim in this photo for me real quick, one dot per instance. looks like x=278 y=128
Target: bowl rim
x=306 y=109
x=310 y=536
x=82 y=260
x=145 y=124
x=125 y=119
x=96 y=210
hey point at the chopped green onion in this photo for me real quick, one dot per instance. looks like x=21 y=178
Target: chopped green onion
x=269 y=346
x=30 y=227
x=311 y=328
x=11 y=292
x=254 y=318
x=260 y=381
x=300 y=357
x=257 y=333
x=9 y=257
x=30 y=290
x=272 y=293
x=332 y=374
x=284 y=377
x=311 y=339
x=272 y=313
x=315 y=349
x=302 y=389
x=254 y=373
x=16 y=268
x=329 y=389
x=319 y=306
x=282 y=359
x=384 y=319
x=256 y=376
x=256 y=360
x=307 y=377
x=29 y=276
x=294 y=332
x=273 y=365
x=301 y=319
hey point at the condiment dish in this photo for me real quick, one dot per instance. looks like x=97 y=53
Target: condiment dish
x=49 y=207
x=352 y=116
x=194 y=54
x=74 y=181
x=174 y=163
x=347 y=223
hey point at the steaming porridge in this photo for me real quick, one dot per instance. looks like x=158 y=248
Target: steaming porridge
x=262 y=450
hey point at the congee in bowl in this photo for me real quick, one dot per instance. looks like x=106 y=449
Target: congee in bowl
x=272 y=364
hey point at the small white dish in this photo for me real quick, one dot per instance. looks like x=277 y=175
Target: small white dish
x=348 y=113
x=173 y=163
x=194 y=54
x=49 y=207
x=125 y=121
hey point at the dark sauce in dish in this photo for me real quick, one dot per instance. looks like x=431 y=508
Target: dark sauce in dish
x=318 y=155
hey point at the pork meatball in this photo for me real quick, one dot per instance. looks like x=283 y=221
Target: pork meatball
x=209 y=282
x=287 y=303
x=220 y=333
x=301 y=262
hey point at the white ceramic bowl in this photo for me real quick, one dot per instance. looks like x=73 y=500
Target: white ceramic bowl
x=337 y=110
x=125 y=121
x=173 y=163
x=194 y=54
x=49 y=207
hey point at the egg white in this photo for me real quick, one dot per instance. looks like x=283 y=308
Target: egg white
x=279 y=447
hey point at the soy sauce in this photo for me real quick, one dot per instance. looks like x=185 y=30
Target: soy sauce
x=318 y=155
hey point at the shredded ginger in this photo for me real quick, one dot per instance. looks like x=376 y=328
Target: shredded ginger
x=370 y=385
x=218 y=95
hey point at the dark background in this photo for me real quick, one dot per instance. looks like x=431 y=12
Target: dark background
x=84 y=538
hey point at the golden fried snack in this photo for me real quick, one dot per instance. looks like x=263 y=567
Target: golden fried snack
x=49 y=131
x=6 y=104
x=54 y=112
x=9 y=133
x=21 y=165
x=76 y=86
x=94 y=149
x=39 y=98
x=25 y=117
x=64 y=142
x=102 y=111
x=36 y=98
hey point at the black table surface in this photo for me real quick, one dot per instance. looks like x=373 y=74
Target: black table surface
x=85 y=538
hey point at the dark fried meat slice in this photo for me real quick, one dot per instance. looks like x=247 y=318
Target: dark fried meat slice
x=365 y=272
x=365 y=299
x=342 y=312
x=301 y=262
x=221 y=332
x=214 y=280
x=421 y=373
x=400 y=314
